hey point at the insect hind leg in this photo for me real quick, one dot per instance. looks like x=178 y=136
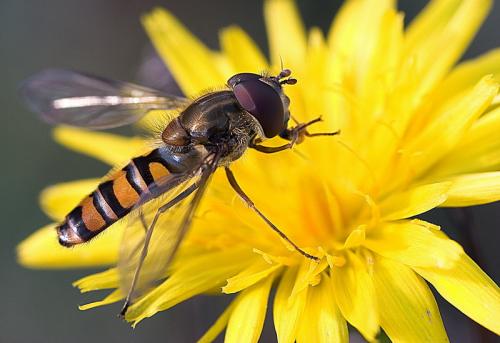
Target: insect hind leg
x=249 y=202
x=143 y=221
x=147 y=240
x=144 y=225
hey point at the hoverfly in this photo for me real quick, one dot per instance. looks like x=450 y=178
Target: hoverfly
x=209 y=132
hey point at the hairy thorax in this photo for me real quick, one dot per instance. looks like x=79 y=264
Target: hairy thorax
x=215 y=121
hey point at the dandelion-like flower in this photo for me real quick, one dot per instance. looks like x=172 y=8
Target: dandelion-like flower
x=417 y=133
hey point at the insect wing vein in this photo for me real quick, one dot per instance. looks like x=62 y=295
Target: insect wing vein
x=62 y=96
x=168 y=233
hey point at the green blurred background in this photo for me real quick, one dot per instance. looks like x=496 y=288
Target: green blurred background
x=106 y=38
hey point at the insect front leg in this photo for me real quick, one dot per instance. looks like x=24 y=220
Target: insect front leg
x=295 y=135
x=249 y=202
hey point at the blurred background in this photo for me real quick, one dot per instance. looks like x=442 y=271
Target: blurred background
x=106 y=38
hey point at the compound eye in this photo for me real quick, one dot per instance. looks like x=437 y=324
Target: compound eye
x=242 y=77
x=264 y=103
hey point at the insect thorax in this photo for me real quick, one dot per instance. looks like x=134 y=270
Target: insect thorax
x=216 y=121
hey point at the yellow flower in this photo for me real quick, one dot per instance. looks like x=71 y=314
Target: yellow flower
x=417 y=133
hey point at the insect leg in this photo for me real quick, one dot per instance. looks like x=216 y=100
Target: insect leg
x=317 y=134
x=143 y=221
x=295 y=135
x=271 y=149
x=249 y=202
x=147 y=239
x=145 y=227
x=299 y=131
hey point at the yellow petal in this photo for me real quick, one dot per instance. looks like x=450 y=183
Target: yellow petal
x=355 y=296
x=468 y=73
x=189 y=60
x=473 y=189
x=408 y=311
x=196 y=275
x=42 y=250
x=242 y=52
x=469 y=289
x=110 y=299
x=287 y=310
x=247 y=318
x=314 y=94
x=414 y=243
x=414 y=201
x=478 y=151
x=365 y=42
x=94 y=282
x=355 y=238
x=224 y=66
x=355 y=23
x=259 y=270
x=107 y=147
x=218 y=326
x=286 y=33
x=449 y=123
x=309 y=275
x=443 y=23
x=322 y=321
x=56 y=201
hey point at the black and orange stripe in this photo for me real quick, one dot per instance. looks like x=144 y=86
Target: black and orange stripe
x=116 y=197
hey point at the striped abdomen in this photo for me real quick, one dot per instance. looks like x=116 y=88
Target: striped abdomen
x=116 y=197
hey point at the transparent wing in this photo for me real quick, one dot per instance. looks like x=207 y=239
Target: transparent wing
x=154 y=73
x=169 y=230
x=68 y=97
x=160 y=244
